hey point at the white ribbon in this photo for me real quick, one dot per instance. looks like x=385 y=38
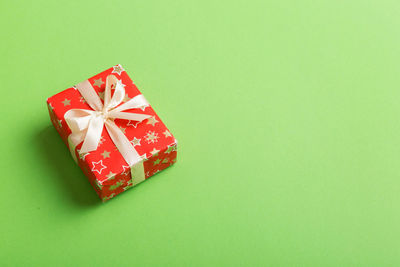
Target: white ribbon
x=87 y=125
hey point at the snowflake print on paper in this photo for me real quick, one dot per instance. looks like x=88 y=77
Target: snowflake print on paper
x=151 y=137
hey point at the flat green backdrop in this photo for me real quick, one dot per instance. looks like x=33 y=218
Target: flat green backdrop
x=287 y=115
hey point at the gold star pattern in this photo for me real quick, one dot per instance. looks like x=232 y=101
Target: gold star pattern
x=118 y=69
x=154 y=152
x=152 y=120
x=109 y=197
x=156 y=162
x=126 y=98
x=167 y=133
x=143 y=157
x=102 y=139
x=99 y=185
x=98 y=82
x=116 y=185
x=101 y=95
x=105 y=154
x=171 y=148
x=122 y=129
x=143 y=107
x=82 y=155
x=135 y=142
x=110 y=175
x=165 y=160
x=128 y=185
x=81 y=99
x=66 y=102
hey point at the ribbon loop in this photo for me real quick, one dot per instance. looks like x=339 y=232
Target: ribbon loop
x=87 y=125
x=90 y=95
x=136 y=102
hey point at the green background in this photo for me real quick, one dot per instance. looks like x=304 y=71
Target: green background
x=287 y=116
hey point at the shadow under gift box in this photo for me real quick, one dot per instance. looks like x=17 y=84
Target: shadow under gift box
x=105 y=167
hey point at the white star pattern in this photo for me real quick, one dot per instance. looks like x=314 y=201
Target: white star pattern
x=126 y=170
x=133 y=123
x=151 y=137
x=118 y=69
x=154 y=151
x=144 y=107
x=98 y=166
x=135 y=142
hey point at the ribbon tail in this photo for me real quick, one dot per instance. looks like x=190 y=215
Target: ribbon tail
x=90 y=95
x=73 y=140
x=128 y=115
x=137 y=173
x=128 y=152
x=93 y=134
x=119 y=92
x=125 y=147
x=136 y=102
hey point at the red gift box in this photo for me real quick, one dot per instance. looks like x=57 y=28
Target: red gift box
x=106 y=168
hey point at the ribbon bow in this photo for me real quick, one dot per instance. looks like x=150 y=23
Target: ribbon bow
x=87 y=125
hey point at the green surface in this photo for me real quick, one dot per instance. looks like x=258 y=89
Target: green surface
x=287 y=115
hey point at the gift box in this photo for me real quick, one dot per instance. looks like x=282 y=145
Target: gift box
x=112 y=132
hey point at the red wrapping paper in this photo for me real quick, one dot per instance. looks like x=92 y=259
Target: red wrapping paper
x=105 y=167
